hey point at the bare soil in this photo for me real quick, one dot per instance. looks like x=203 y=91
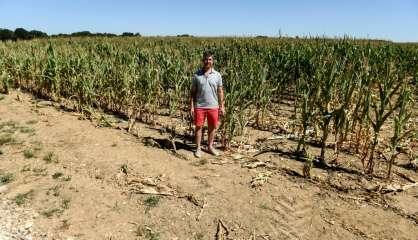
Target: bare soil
x=90 y=182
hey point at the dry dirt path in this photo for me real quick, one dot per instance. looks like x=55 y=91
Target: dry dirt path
x=84 y=182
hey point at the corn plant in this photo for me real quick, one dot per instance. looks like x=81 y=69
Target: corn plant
x=384 y=103
x=344 y=105
x=308 y=97
x=399 y=127
x=5 y=82
x=327 y=74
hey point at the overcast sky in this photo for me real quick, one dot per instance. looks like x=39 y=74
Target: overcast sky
x=395 y=20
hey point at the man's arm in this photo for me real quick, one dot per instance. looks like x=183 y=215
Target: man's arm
x=221 y=100
x=192 y=97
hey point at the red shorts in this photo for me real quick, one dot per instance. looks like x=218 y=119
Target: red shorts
x=201 y=113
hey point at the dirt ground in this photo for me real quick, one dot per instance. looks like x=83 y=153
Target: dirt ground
x=63 y=177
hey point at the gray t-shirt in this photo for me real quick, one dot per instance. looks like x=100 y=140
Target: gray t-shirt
x=207 y=88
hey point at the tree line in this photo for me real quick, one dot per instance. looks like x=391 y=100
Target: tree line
x=20 y=34
x=23 y=34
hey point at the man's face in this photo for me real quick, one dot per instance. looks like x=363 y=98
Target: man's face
x=208 y=62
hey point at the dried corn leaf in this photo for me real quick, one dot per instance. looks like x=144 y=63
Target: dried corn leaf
x=260 y=179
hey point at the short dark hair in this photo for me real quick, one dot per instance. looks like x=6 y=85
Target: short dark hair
x=207 y=54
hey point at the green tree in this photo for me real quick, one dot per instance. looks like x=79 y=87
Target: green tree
x=6 y=34
x=37 y=34
x=127 y=34
x=21 y=33
x=81 y=34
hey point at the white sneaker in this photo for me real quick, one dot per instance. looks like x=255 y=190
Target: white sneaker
x=198 y=153
x=214 y=152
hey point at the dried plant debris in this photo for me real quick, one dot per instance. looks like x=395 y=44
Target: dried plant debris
x=389 y=188
x=150 y=142
x=150 y=185
x=193 y=199
x=6 y=178
x=158 y=186
x=222 y=231
x=237 y=156
x=260 y=179
x=255 y=163
x=406 y=177
x=221 y=161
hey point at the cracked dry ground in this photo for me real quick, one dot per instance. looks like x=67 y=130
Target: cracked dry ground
x=77 y=186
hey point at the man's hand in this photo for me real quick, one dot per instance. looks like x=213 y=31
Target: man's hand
x=222 y=110
x=221 y=100
x=192 y=111
x=192 y=97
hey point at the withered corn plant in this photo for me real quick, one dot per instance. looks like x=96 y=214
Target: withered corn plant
x=387 y=82
x=307 y=94
x=400 y=124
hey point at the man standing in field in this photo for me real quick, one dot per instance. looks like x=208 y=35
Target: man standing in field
x=206 y=101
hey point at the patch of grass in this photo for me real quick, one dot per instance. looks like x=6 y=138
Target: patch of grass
x=116 y=207
x=37 y=146
x=124 y=168
x=27 y=130
x=28 y=153
x=51 y=157
x=9 y=127
x=54 y=191
x=9 y=130
x=65 y=224
x=104 y=122
x=51 y=212
x=203 y=181
x=151 y=201
x=25 y=168
x=65 y=203
x=23 y=197
x=152 y=235
x=66 y=178
x=40 y=171
x=6 y=178
x=264 y=206
x=199 y=236
x=57 y=175
x=2 y=97
x=11 y=124
x=1 y=152
x=6 y=139
x=147 y=233
x=201 y=162
x=31 y=122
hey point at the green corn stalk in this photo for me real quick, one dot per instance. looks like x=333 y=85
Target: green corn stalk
x=327 y=75
x=5 y=82
x=361 y=105
x=384 y=104
x=400 y=122
x=342 y=112
x=308 y=93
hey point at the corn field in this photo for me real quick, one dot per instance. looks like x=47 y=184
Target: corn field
x=344 y=91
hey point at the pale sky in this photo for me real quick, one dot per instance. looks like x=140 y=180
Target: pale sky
x=395 y=20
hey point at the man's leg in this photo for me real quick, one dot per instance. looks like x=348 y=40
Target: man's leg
x=211 y=136
x=199 y=119
x=198 y=136
x=212 y=124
